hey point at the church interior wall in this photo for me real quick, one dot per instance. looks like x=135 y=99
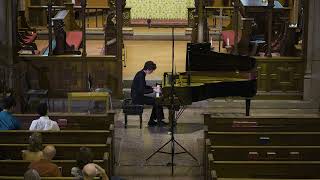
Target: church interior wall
x=312 y=73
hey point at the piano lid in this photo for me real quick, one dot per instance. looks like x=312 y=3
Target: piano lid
x=201 y=58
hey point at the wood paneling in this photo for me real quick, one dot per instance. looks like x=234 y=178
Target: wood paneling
x=97 y=3
x=281 y=75
x=62 y=74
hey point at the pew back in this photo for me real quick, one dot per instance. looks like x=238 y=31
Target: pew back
x=42 y=178
x=260 y=124
x=57 y=137
x=266 y=169
x=64 y=151
x=72 y=121
x=18 y=167
x=262 y=147
x=265 y=153
x=264 y=138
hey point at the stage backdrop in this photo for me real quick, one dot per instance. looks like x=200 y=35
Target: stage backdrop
x=163 y=10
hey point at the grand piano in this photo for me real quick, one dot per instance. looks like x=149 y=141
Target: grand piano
x=209 y=75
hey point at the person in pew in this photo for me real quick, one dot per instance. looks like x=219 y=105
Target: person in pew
x=31 y=174
x=7 y=121
x=92 y=170
x=84 y=157
x=44 y=166
x=138 y=90
x=44 y=122
x=34 y=151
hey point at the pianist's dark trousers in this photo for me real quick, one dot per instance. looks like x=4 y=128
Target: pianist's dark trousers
x=157 y=110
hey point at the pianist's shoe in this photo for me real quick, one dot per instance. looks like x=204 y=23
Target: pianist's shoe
x=162 y=123
x=152 y=123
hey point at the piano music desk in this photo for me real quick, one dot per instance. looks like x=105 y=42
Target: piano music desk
x=94 y=96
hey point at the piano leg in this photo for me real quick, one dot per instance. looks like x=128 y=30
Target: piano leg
x=248 y=101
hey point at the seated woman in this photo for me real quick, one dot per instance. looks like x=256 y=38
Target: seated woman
x=84 y=156
x=34 y=152
x=43 y=123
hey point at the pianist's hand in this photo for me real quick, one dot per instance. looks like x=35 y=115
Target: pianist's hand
x=157 y=89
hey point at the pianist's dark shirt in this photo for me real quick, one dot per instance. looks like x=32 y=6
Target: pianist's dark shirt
x=139 y=88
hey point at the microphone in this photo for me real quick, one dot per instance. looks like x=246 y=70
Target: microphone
x=149 y=23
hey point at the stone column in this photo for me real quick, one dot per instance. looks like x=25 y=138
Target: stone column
x=201 y=21
x=312 y=52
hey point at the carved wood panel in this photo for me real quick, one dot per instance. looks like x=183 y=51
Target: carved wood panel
x=280 y=76
x=64 y=75
x=126 y=17
x=105 y=74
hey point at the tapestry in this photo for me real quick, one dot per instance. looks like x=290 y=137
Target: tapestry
x=160 y=9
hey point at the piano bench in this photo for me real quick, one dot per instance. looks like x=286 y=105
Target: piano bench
x=131 y=109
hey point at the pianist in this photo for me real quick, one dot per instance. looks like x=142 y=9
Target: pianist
x=139 y=89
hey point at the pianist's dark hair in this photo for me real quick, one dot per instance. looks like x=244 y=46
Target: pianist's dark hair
x=150 y=65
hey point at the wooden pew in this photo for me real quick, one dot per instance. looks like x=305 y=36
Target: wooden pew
x=266 y=169
x=64 y=151
x=213 y=175
x=265 y=153
x=57 y=137
x=261 y=147
x=43 y=178
x=70 y=137
x=74 y=121
x=18 y=167
x=255 y=124
x=264 y=138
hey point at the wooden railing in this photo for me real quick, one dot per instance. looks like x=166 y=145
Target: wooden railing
x=95 y=15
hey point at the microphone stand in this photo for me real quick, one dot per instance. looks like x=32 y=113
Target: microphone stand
x=172 y=117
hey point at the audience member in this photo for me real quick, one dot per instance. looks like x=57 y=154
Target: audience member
x=31 y=174
x=44 y=166
x=92 y=170
x=7 y=121
x=34 y=152
x=44 y=122
x=84 y=156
